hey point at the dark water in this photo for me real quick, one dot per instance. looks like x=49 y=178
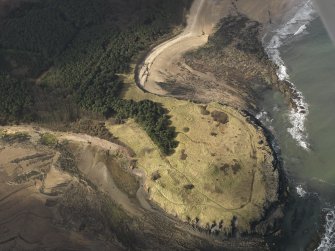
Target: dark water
x=310 y=62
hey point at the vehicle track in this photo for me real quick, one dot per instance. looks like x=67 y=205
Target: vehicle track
x=163 y=60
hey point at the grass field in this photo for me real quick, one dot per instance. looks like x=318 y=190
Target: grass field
x=219 y=170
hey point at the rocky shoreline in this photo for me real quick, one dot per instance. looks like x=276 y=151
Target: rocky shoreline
x=278 y=208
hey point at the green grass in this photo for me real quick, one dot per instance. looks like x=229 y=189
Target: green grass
x=48 y=139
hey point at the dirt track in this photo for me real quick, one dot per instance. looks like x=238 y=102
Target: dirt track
x=164 y=63
x=163 y=60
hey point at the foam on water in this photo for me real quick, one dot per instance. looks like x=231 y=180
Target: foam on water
x=300 y=30
x=328 y=240
x=297 y=24
x=264 y=117
x=301 y=191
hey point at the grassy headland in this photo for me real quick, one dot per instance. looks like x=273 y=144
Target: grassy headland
x=221 y=169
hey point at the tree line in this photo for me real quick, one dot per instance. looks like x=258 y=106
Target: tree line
x=81 y=46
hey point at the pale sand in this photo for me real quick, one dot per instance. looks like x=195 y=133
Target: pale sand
x=165 y=61
x=161 y=62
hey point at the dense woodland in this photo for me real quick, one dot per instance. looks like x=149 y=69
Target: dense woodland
x=60 y=58
x=16 y=99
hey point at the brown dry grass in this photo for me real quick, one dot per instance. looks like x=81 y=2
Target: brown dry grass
x=224 y=163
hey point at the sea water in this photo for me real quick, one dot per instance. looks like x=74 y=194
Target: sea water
x=306 y=57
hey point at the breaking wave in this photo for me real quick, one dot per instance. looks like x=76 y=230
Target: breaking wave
x=328 y=239
x=301 y=191
x=297 y=24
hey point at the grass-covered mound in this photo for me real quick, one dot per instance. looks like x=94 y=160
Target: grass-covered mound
x=218 y=172
x=221 y=170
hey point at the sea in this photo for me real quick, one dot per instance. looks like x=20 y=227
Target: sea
x=305 y=137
